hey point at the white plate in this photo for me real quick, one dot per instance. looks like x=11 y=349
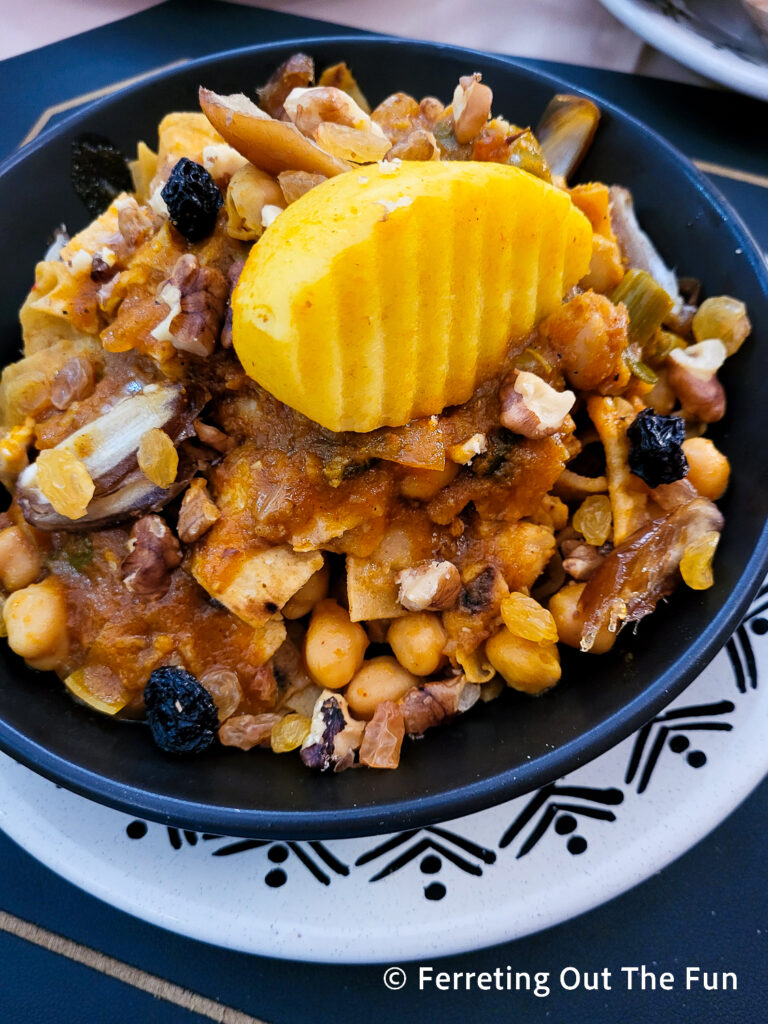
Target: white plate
x=714 y=37
x=484 y=879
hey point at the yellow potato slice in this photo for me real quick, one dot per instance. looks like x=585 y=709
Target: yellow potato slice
x=389 y=292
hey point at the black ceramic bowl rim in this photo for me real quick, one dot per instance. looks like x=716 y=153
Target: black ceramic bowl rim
x=480 y=793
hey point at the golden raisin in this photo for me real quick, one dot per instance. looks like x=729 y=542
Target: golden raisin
x=65 y=482
x=593 y=519
x=289 y=733
x=158 y=458
x=525 y=618
x=696 y=563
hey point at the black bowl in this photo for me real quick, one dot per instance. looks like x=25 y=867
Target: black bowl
x=498 y=750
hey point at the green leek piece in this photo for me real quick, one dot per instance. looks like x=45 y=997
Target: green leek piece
x=647 y=304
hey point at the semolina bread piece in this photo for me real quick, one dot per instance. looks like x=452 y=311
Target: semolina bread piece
x=389 y=292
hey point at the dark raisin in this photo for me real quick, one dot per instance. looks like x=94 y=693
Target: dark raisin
x=99 y=172
x=100 y=269
x=193 y=200
x=180 y=711
x=476 y=595
x=656 y=454
x=500 y=444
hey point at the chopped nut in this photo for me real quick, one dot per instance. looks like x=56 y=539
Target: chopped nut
x=198 y=512
x=153 y=552
x=433 y=586
x=201 y=294
x=334 y=735
x=702 y=360
x=133 y=223
x=531 y=407
x=222 y=161
x=325 y=104
x=214 y=437
x=581 y=560
x=702 y=398
x=253 y=196
x=463 y=453
x=429 y=705
x=471 y=107
x=73 y=382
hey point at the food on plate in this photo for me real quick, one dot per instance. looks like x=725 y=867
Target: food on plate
x=336 y=421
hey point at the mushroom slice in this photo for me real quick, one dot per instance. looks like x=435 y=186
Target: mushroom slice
x=566 y=130
x=636 y=575
x=271 y=145
x=137 y=496
x=108 y=447
x=637 y=248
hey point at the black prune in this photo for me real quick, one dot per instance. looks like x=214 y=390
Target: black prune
x=180 y=711
x=99 y=171
x=656 y=454
x=193 y=200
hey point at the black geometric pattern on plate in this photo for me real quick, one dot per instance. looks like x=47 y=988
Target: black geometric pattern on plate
x=434 y=845
x=725 y=25
x=560 y=807
x=739 y=647
x=314 y=856
x=670 y=731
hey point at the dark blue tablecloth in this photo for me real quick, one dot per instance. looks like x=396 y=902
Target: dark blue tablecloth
x=708 y=909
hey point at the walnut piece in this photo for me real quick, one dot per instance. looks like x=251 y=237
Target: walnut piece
x=153 y=552
x=692 y=375
x=213 y=437
x=471 y=107
x=580 y=560
x=133 y=222
x=531 y=407
x=334 y=735
x=426 y=706
x=198 y=512
x=433 y=586
x=202 y=295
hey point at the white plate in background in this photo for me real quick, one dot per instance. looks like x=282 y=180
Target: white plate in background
x=714 y=37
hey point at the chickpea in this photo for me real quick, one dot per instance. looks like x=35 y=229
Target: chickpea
x=305 y=599
x=570 y=622
x=379 y=679
x=418 y=640
x=524 y=664
x=708 y=469
x=334 y=647
x=20 y=562
x=36 y=620
x=423 y=484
